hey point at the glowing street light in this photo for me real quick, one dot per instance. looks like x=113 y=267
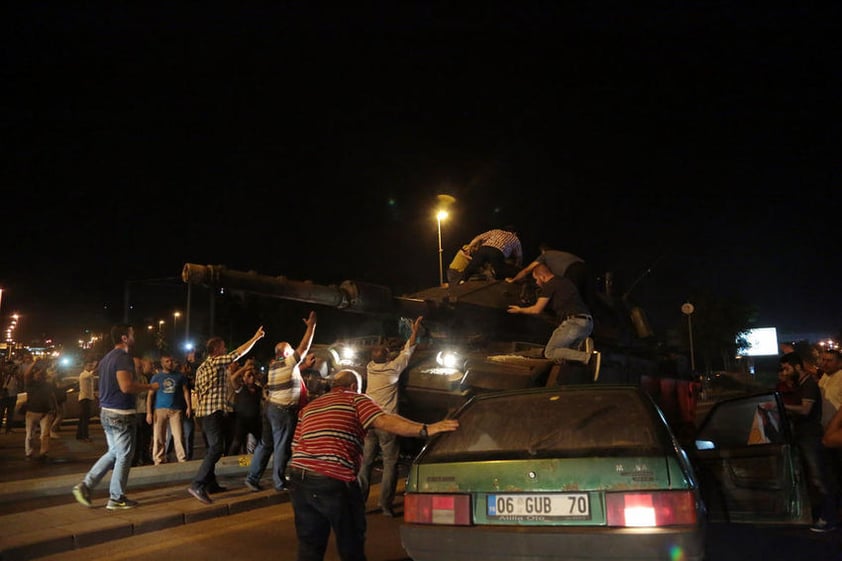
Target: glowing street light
x=161 y=325
x=13 y=325
x=440 y=215
x=175 y=317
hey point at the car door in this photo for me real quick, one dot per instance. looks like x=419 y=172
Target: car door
x=748 y=465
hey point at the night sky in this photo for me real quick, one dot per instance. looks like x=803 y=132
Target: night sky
x=688 y=149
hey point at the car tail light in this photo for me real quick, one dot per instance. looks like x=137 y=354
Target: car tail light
x=667 y=508
x=454 y=510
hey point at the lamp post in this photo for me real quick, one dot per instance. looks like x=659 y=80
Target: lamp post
x=440 y=215
x=161 y=325
x=175 y=317
x=687 y=309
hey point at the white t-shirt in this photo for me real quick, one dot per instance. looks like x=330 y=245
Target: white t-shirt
x=831 y=387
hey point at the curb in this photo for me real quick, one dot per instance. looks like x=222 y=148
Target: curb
x=138 y=477
x=71 y=527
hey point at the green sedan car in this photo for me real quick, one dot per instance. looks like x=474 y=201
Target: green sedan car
x=593 y=472
x=573 y=472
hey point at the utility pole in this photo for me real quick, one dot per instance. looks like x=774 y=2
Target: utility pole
x=687 y=309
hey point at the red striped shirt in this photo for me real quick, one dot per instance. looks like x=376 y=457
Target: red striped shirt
x=331 y=431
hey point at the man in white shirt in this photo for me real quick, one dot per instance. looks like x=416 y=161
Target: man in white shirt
x=87 y=384
x=830 y=383
x=382 y=376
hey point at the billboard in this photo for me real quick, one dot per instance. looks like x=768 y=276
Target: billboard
x=762 y=341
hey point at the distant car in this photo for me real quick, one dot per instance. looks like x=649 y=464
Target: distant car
x=575 y=472
x=71 y=408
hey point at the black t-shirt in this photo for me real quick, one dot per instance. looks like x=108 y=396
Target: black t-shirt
x=247 y=403
x=564 y=298
x=810 y=424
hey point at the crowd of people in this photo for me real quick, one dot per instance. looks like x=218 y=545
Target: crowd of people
x=275 y=415
x=44 y=409
x=812 y=394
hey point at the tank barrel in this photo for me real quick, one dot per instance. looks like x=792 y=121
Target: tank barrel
x=349 y=295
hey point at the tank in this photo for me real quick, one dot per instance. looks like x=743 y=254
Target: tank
x=469 y=344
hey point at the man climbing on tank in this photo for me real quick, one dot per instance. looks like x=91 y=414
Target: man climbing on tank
x=575 y=323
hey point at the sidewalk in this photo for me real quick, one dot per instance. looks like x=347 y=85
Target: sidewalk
x=29 y=534
x=39 y=516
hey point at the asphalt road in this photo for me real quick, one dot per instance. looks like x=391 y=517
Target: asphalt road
x=266 y=533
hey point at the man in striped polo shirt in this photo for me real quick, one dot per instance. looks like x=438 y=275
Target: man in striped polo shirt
x=326 y=456
x=280 y=412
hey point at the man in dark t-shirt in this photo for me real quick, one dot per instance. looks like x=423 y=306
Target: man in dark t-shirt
x=575 y=323
x=807 y=426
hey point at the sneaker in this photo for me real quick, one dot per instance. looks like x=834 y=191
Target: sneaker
x=217 y=488
x=388 y=512
x=253 y=487
x=200 y=495
x=82 y=494
x=821 y=525
x=123 y=503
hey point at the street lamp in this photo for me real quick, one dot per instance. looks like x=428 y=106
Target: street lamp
x=440 y=215
x=687 y=309
x=161 y=325
x=175 y=317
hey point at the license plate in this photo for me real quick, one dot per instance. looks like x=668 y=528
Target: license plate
x=543 y=506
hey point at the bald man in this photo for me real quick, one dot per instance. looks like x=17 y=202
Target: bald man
x=280 y=413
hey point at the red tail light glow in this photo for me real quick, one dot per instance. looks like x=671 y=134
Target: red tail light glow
x=454 y=510
x=668 y=508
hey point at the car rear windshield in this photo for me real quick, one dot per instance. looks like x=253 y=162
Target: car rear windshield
x=553 y=424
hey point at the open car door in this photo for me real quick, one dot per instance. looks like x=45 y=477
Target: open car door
x=748 y=465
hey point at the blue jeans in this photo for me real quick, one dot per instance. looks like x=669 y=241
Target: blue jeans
x=120 y=433
x=212 y=427
x=389 y=445
x=566 y=338
x=321 y=504
x=276 y=438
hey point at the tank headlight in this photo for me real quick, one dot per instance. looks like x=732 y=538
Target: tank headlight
x=450 y=359
x=343 y=355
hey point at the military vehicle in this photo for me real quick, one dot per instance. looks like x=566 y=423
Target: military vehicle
x=470 y=343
